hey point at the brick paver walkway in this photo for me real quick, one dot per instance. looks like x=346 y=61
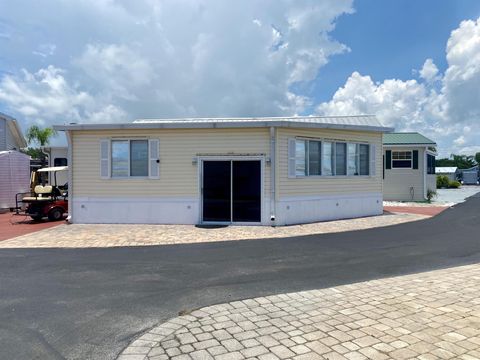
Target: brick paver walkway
x=421 y=210
x=14 y=225
x=82 y=236
x=431 y=315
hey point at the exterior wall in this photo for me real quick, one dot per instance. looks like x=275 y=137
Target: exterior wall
x=175 y=197
x=405 y=184
x=318 y=198
x=15 y=178
x=432 y=181
x=3 y=134
x=11 y=143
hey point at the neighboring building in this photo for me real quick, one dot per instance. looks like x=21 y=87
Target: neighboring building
x=14 y=178
x=270 y=171
x=11 y=137
x=449 y=171
x=470 y=176
x=57 y=156
x=409 y=166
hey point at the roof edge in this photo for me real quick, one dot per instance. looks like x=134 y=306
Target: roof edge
x=220 y=125
x=15 y=129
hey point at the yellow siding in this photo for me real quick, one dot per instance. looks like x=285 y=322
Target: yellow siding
x=178 y=147
x=326 y=185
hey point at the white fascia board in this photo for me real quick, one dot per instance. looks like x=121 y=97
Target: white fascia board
x=221 y=125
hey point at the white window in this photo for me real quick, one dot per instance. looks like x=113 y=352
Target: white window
x=353 y=159
x=129 y=158
x=365 y=159
x=401 y=159
x=327 y=158
x=340 y=159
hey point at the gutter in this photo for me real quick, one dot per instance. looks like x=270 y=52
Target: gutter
x=273 y=149
x=70 y=176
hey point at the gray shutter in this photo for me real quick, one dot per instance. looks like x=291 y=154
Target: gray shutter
x=373 y=159
x=105 y=158
x=291 y=158
x=154 y=159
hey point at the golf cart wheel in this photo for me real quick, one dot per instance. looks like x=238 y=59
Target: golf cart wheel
x=55 y=214
x=36 y=217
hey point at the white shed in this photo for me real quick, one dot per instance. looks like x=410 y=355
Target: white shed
x=15 y=176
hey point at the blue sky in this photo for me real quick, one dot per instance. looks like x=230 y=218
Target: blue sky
x=390 y=38
x=412 y=63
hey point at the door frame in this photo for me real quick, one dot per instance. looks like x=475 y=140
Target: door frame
x=202 y=159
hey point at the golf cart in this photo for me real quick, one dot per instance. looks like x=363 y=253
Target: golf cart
x=44 y=200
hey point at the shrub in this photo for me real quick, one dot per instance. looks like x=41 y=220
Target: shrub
x=431 y=194
x=454 y=184
x=442 y=181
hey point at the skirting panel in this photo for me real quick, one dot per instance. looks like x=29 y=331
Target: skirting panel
x=306 y=209
x=135 y=210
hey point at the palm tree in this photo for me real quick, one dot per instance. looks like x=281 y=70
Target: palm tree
x=40 y=136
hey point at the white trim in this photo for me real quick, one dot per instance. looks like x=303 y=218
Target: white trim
x=202 y=159
x=358 y=123
x=408 y=145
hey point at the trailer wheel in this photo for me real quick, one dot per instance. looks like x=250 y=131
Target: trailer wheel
x=55 y=214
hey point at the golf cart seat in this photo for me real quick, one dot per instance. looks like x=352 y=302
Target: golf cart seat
x=41 y=193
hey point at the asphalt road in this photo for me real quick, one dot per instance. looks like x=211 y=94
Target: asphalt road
x=90 y=303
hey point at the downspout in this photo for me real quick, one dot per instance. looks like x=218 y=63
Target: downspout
x=70 y=175
x=272 y=175
x=425 y=173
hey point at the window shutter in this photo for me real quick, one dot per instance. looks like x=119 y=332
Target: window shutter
x=388 y=159
x=415 y=159
x=291 y=158
x=373 y=157
x=154 y=159
x=105 y=158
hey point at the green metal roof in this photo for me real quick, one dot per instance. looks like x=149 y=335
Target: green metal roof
x=406 y=138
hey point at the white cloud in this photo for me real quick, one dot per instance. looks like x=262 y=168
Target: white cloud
x=429 y=71
x=132 y=59
x=46 y=97
x=459 y=141
x=449 y=114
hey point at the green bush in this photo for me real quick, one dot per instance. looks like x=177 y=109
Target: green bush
x=454 y=184
x=442 y=181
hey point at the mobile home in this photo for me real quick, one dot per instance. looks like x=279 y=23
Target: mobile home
x=269 y=171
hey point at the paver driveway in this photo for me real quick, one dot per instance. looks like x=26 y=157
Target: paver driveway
x=108 y=235
x=432 y=315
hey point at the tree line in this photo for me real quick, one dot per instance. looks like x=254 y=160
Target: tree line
x=459 y=161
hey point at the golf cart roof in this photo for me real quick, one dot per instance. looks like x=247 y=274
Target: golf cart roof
x=53 y=168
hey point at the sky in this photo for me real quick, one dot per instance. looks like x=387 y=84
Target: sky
x=415 y=64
